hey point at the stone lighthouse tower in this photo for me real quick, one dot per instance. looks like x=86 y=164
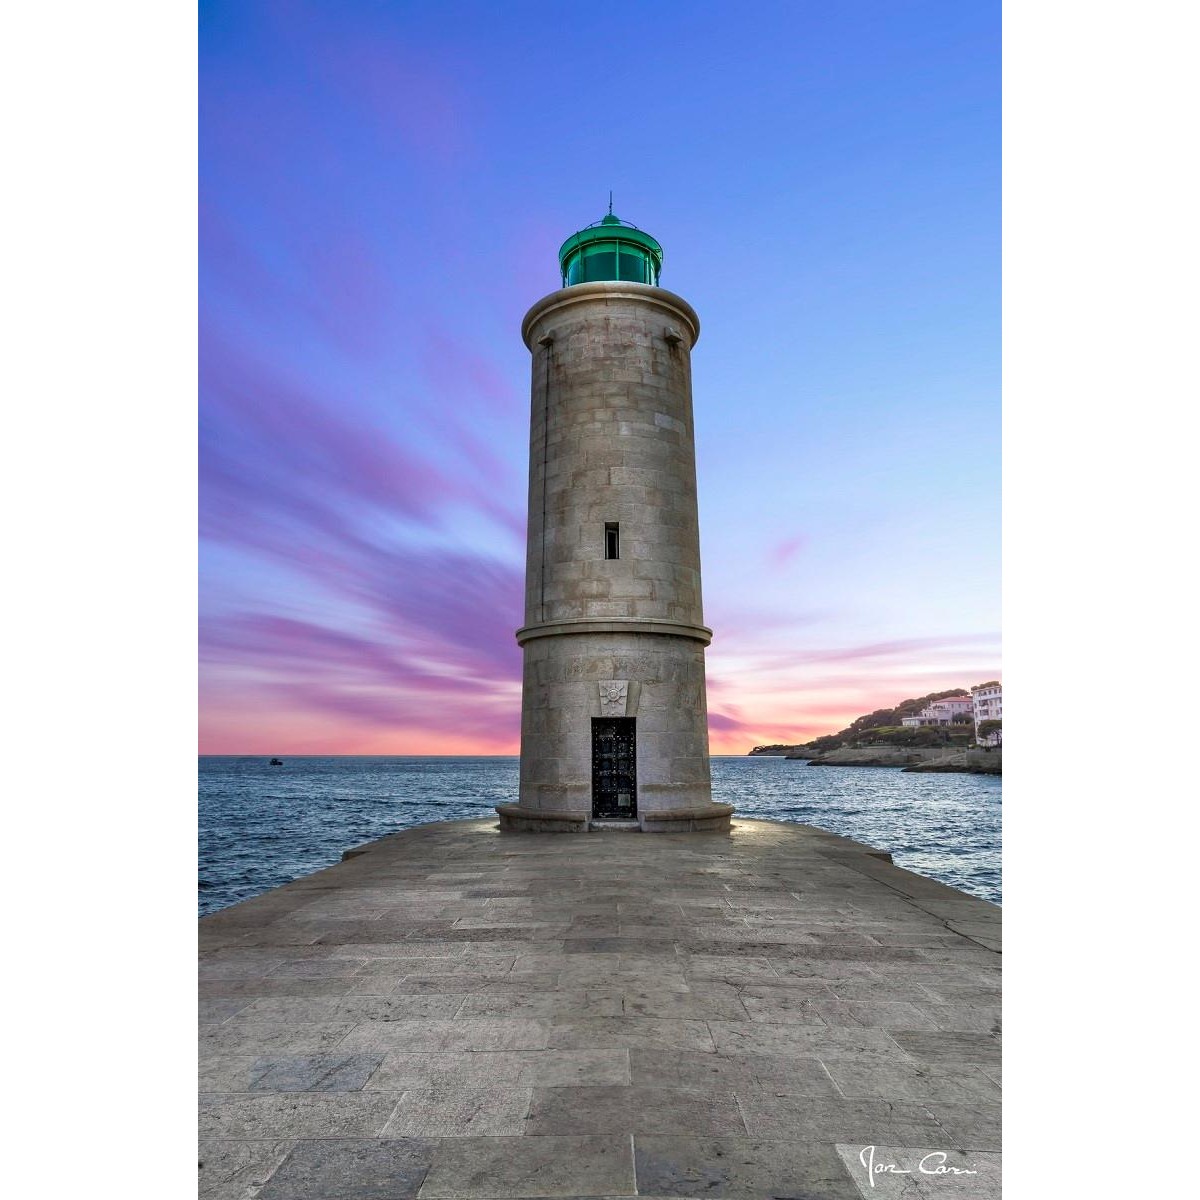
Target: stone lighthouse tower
x=614 y=730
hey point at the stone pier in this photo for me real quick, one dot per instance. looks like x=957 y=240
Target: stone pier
x=456 y=1012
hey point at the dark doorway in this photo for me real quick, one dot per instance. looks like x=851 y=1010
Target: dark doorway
x=614 y=767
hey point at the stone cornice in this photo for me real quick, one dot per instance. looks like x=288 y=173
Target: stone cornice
x=697 y=633
x=582 y=293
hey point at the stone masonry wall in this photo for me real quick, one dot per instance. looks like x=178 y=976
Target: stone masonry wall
x=611 y=441
x=665 y=694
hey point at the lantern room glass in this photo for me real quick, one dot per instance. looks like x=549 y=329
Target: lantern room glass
x=610 y=250
x=610 y=260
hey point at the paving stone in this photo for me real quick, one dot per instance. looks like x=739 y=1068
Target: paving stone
x=533 y=959
x=352 y=1169
x=256 y=967
x=949 y=992
x=286 y=1073
x=239 y=1036
x=649 y=965
x=534 y=1008
x=655 y=932
x=823 y=1119
x=850 y=952
x=616 y=977
x=460 y=1034
x=968 y=953
x=569 y=1002
x=730 y=969
x=987 y=935
x=973 y=1126
x=306 y=1010
x=464 y=985
x=231 y=1170
x=493 y=1167
x=227 y=1072
x=384 y=970
x=512 y=923
x=664 y=947
x=784 y=1006
x=298 y=1115
x=632 y=1109
x=520 y=1068
x=787 y=991
x=215 y=1009
x=398 y=950
x=270 y=986
x=698 y=1003
x=978 y=1049
x=312 y=1072
x=953 y=973
x=739 y=1169
x=874 y=1014
x=496 y=943
x=497 y=967
x=860 y=991
x=911 y=1081
x=791 y=1076
x=459 y=1110
x=622 y=1032
x=789 y=970
x=393 y=1007
x=792 y=1040
x=315 y=968
x=652 y=1066
x=963 y=1018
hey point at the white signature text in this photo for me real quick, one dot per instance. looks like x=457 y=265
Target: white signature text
x=934 y=1163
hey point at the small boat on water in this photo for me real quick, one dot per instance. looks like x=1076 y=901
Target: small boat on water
x=276 y=762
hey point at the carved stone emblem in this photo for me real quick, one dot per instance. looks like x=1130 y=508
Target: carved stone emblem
x=613 y=695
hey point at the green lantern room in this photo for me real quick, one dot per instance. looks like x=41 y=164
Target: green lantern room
x=610 y=249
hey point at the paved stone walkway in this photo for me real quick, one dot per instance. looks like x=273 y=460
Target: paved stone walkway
x=458 y=1012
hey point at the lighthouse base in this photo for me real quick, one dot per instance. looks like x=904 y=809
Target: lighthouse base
x=706 y=818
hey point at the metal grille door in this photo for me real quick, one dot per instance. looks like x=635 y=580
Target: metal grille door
x=614 y=767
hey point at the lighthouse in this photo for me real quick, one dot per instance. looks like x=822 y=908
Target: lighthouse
x=614 y=721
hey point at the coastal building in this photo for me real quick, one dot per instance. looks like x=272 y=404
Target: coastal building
x=614 y=722
x=988 y=705
x=941 y=712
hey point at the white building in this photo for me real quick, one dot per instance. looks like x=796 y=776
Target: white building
x=941 y=712
x=988 y=704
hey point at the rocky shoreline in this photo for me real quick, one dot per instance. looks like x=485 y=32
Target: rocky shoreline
x=932 y=759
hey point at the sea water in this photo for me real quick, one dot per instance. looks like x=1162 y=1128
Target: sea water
x=262 y=826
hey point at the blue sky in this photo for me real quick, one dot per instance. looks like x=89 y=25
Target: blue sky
x=383 y=191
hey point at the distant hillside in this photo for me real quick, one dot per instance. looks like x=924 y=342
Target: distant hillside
x=883 y=727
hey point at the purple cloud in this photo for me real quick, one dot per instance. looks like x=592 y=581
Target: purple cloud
x=783 y=552
x=353 y=515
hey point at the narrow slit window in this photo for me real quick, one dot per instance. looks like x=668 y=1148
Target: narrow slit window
x=612 y=540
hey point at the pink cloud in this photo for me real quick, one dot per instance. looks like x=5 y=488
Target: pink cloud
x=783 y=552
x=352 y=515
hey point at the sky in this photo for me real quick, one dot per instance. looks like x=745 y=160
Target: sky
x=383 y=191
